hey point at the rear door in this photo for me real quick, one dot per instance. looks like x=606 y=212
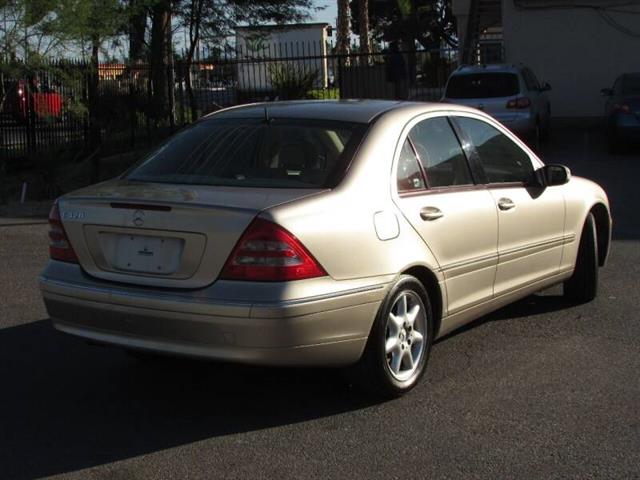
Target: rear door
x=530 y=219
x=435 y=191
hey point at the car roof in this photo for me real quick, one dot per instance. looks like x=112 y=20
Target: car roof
x=357 y=111
x=493 y=68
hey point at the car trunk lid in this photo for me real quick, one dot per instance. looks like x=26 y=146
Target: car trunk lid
x=162 y=235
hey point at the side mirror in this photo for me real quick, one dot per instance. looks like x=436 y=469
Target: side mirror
x=553 y=174
x=606 y=92
x=545 y=87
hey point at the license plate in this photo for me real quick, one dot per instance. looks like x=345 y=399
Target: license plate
x=143 y=254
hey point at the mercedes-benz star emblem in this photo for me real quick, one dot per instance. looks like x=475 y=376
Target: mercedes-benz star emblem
x=138 y=218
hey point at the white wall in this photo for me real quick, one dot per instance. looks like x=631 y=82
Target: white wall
x=575 y=50
x=294 y=42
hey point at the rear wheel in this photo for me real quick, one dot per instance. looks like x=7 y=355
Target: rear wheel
x=614 y=143
x=582 y=287
x=535 y=137
x=400 y=341
x=144 y=356
x=545 y=133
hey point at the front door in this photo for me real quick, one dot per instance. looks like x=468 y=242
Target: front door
x=530 y=218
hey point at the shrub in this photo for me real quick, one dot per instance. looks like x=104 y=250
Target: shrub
x=291 y=81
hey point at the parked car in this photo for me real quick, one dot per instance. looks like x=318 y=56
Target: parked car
x=622 y=111
x=321 y=233
x=25 y=96
x=510 y=93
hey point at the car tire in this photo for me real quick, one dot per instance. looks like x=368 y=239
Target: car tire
x=614 y=144
x=535 y=138
x=545 y=134
x=582 y=287
x=394 y=359
x=143 y=356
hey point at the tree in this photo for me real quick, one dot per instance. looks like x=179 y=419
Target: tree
x=137 y=15
x=429 y=23
x=212 y=21
x=363 y=23
x=24 y=29
x=161 y=51
x=343 y=27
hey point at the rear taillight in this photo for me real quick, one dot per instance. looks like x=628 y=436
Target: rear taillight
x=266 y=252
x=519 y=103
x=621 y=108
x=59 y=246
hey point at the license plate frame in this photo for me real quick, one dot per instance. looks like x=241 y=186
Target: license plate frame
x=144 y=254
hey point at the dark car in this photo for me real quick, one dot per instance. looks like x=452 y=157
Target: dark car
x=622 y=111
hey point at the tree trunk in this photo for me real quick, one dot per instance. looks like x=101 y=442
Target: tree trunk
x=343 y=27
x=137 y=30
x=363 y=23
x=160 y=51
x=94 y=114
x=197 y=7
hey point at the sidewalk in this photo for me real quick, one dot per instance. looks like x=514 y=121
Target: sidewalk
x=27 y=213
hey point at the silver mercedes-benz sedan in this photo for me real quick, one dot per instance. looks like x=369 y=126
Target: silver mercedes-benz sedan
x=321 y=233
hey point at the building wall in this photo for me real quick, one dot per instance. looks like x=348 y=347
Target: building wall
x=293 y=42
x=575 y=50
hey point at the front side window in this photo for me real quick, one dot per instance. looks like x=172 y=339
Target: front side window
x=409 y=176
x=631 y=85
x=502 y=160
x=252 y=153
x=440 y=152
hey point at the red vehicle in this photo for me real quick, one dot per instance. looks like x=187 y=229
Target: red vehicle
x=24 y=96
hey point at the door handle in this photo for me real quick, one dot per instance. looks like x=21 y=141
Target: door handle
x=506 y=204
x=431 y=213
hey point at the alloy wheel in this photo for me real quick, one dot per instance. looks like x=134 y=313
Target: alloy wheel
x=405 y=335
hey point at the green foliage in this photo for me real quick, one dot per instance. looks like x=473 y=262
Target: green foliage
x=292 y=81
x=324 y=94
x=428 y=22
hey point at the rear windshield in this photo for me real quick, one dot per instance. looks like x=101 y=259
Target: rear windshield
x=254 y=153
x=631 y=85
x=483 y=85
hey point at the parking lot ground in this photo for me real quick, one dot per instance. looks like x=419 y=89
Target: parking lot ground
x=539 y=389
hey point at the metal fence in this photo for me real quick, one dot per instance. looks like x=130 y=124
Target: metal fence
x=72 y=109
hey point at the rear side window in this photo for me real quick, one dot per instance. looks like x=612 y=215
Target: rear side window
x=502 y=160
x=440 y=153
x=253 y=153
x=483 y=85
x=409 y=176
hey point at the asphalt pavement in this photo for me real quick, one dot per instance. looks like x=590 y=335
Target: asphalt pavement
x=540 y=389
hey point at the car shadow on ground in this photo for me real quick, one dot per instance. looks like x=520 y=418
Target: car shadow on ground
x=66 y=405
x=536 y=304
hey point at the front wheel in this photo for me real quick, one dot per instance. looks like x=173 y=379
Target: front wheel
x=582 y=287
x=400 y=341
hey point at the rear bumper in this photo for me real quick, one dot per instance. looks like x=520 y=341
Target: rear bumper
x=328 y=329
x=627 y=127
